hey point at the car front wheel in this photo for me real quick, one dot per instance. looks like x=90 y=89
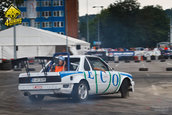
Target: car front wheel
x=124 y=89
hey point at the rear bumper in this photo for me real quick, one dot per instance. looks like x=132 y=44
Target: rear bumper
x=45 y=89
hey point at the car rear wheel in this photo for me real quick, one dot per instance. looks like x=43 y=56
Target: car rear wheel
x=124 y=89
x=80 y=92
x=36 y=98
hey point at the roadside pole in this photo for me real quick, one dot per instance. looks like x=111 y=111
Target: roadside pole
x=66 y=28
x=170 y=29
x=98 y=23
x=15 y=53
x=88 y=34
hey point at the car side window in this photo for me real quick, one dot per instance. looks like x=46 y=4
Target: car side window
x=86 y=65
x=98 y=64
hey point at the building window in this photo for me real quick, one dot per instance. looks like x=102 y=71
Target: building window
x=25 y=24
x=61 y=2
x=38 y=3
x=46 y=3
x=58 y=24
x=62 y=33
x=58 y=14
x=23 y=4
x=57 y=2
x=38 y=14
x=37 y=24
x=46 y=13
x=46 y=24
x=23 y=14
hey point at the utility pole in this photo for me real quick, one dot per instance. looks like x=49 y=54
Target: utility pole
x=15 y=53
x=170 y=29
x=88 y=34
x=66 y=27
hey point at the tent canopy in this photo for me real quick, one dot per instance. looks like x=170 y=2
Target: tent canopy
x=33 y=36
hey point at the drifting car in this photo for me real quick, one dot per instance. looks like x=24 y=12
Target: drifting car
x=84 y=75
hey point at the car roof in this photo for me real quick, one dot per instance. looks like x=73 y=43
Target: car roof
x=80 y=56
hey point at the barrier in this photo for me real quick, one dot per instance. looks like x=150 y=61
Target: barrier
x=128 y=56
x=148 y=59
x=138 y=59
x=116 y=59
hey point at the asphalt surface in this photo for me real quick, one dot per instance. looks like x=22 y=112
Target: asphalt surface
x=152 y=96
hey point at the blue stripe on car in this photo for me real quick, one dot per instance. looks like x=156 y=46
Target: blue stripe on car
x=64 y=74
x=126 y=75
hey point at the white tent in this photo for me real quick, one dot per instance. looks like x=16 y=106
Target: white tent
x=36 y=42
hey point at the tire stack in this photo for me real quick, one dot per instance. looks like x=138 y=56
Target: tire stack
x=0 y=66
x=6 y=65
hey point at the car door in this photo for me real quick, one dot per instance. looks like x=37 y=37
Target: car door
x=115 y=81
x=100 y=73
x=89 y=76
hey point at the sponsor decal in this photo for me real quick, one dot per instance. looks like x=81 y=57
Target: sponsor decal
x=120 y=53
x=109 y=83
x=64 y=74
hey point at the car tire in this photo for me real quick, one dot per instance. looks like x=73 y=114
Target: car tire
x=80 y=92
x=36 y=98
x=124 y=89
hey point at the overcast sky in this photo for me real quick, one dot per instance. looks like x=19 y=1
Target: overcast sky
x=83 y=5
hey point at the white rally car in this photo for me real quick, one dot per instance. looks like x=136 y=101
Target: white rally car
x=86 y=75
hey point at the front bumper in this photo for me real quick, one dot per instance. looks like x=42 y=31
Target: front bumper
x=46 y=88
x=132 y=86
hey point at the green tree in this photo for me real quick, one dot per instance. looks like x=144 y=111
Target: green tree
x=119 y=22
x=125 y=24
x=154 y=24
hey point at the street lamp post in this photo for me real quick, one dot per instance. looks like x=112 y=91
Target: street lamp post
x=170 y=29
x=66 y=20
x=88 y=34
x=98 y=24
x=15 y=54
